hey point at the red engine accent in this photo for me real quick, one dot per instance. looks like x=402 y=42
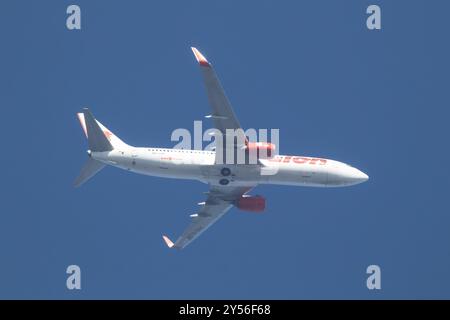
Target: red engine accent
x=254 y=204
x=263 y=149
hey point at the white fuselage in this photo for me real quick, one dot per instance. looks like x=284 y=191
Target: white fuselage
x=200 y=165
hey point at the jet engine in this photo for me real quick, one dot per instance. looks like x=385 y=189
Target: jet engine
x=262 y=149
x=251 y=203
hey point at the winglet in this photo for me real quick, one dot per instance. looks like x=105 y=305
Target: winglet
x=200 y=58
x=168 y=242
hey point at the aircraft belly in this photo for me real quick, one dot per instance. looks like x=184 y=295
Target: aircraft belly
x=169 y=169
x=153 y=165
x=238 y=175
x=298 y=175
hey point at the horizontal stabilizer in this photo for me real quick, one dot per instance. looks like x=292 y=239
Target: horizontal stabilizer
x=89 y=170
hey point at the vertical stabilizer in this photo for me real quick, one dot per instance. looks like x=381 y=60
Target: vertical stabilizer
x=98 y=139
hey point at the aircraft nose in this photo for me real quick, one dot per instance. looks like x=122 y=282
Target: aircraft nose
x=345 y=175
x=357 y=176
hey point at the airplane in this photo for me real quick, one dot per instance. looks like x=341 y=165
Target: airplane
x=229 y=183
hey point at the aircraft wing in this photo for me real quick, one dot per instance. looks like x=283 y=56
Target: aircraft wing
x=220 y=200
x=222 y=113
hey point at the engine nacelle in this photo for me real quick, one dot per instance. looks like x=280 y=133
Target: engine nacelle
x=262 y=149
x=251 y=203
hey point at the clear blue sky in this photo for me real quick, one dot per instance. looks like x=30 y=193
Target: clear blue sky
x=375 y=99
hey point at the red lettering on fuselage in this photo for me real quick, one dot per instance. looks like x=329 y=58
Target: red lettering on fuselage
x=299 y=160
